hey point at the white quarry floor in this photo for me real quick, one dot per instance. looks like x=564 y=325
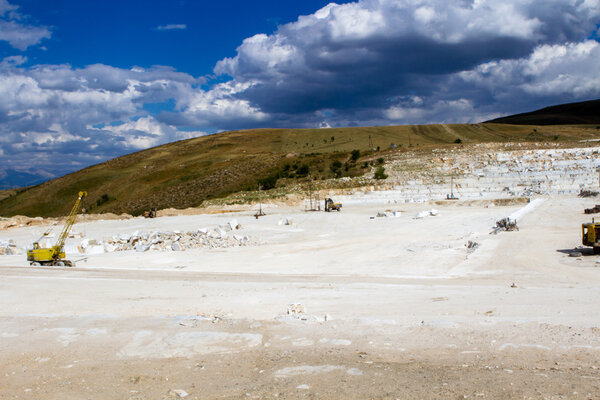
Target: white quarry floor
x=403 y=291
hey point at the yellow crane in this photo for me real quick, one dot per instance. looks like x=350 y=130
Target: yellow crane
x=55 y=255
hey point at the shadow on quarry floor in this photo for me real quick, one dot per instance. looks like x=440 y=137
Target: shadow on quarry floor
x=586 y=251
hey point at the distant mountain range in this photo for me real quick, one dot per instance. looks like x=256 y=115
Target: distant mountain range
x=585 y=112
x=15 y=179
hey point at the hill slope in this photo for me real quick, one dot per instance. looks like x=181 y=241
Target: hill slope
x=185 y=173
x=585 y=112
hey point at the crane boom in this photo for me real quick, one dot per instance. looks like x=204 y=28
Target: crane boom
x=69 y=222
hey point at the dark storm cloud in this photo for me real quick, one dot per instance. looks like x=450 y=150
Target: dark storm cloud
x=363 y=55
x=390 y=69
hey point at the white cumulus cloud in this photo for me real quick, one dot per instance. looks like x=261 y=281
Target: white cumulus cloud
x=171 y=27
x=92 y=113
x=551 y=72
x=15 y=31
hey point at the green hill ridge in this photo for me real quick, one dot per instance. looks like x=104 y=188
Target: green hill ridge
x=584 y=112
x=187 y=173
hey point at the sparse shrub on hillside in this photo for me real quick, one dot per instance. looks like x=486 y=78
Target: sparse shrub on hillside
x=380 y=173
x=365 y=165
x=458 y=141
x=332 y=139
x=380 y=160
x=103 y=199
x=285 y=171
x=354 y=155
x=336 y=168
x=269 y=182
x=302 y=171
x=310 y=164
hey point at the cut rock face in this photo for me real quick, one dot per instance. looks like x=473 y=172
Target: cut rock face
x=485 y=171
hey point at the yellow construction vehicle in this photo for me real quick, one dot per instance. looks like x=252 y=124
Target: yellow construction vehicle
x=55 y=255
x=590 y=235
x=150 y=214
x=330 y=205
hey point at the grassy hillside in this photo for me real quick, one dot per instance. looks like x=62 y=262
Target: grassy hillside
x=185 y=173
x=585 y=112
x=7 y=193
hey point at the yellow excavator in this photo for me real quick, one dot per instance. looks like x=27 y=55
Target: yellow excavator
x=330 y=205
x=55 y=255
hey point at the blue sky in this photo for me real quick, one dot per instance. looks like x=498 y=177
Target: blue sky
x=85 y=81
x=125 y=33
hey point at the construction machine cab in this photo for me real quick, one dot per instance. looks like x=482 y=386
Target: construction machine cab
x=590 y=235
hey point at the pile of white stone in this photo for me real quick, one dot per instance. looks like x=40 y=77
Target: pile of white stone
x=387 y=214
x=217 y=237
x=8 y=248
x=297 y=312
x=422 y=214
x=286 y=221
